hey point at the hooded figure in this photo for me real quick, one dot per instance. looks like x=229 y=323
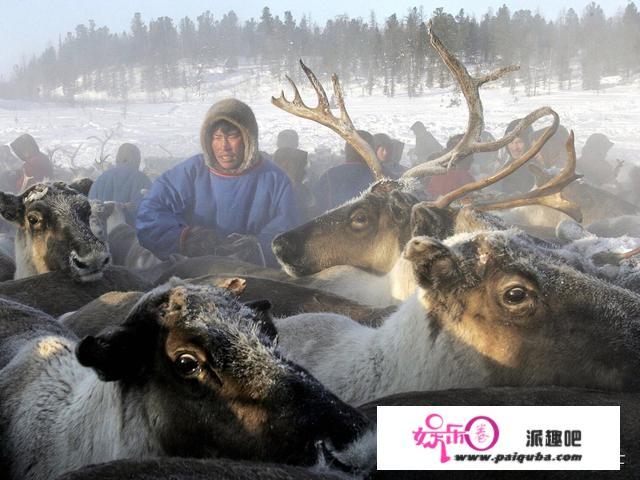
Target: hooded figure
x=593 y=163
x=124 y=182
x=37 y=166
x=229 y=197
x=426 y=143
x=522 y=180
x=389 y=153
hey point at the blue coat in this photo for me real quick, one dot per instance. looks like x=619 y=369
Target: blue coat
x=258 y=202
x=121 y=183
x=341 y=183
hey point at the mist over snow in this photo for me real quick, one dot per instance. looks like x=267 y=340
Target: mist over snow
x=170 y=126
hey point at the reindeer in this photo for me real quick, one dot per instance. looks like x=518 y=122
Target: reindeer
x=190 y=372
x=286 y=299
x=370 y=231
x=53 y=232
x=489 y=311
x=57 y=293
x=195 y=469
x=7 y=267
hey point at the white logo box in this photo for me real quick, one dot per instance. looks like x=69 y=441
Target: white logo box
x=495 y=438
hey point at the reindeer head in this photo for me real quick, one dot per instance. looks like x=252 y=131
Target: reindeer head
x=214 y=380
x=367 y=232
x=531 y=318
x=53 y=232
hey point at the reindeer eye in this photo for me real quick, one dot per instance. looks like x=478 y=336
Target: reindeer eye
x=186 y=364
x=515 y=295
x=360 y=220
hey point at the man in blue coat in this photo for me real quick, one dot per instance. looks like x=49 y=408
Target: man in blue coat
x=228 y=198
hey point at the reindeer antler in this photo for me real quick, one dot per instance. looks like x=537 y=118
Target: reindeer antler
x=103 y=142
x=470 y=88
x=549 y=194
x=322 y=114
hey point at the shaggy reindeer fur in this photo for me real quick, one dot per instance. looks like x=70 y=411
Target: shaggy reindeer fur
x=355 y=250
x=7 y=267
x=457 y=331
x=54 y=233
x=286 y=299
x=194 y=469
x=56 y=293
x=191 y=372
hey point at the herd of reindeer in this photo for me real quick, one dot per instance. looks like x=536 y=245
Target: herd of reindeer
x=114 y=364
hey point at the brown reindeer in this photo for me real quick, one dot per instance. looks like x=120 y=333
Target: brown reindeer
x=53 y=232
x=189 y=372
x=490 y=311
x=370 y=231
x=286 y=299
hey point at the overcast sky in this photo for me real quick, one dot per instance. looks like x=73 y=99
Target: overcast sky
x=28 y=26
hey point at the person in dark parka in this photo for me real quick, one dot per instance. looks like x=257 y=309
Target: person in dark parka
x=230 y=196
x=294 y=162
x=593 y=161
x=426 y=143
x=345 y=181
x=124 y=182
x=389 y=152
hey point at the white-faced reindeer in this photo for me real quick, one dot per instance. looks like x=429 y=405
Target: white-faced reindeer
x=53 y=232
x=490 y=310
x=370 y=231
x=191 y=372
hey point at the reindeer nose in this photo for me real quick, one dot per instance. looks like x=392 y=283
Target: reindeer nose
x=287 y=246
x=91 y=265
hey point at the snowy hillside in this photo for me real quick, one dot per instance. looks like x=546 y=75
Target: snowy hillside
x=172 y=127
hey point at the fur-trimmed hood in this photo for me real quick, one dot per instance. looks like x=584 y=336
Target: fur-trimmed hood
x=239 y=114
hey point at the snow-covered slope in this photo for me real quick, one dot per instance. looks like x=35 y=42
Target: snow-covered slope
x=173 y=126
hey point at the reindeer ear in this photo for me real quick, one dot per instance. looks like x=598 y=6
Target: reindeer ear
x=82 y=185
x=11 y=207
x=400 y=206
x=263 y=317
x=126 y=352
x=114 y=355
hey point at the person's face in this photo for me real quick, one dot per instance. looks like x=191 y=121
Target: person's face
x=516 y=148
x=228 y=148
x=382 y=154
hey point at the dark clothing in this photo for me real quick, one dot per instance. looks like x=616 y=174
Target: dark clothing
x=520 y=181
x=393 y=170
x=293 y=162
x=341 y=183
x=121 y=183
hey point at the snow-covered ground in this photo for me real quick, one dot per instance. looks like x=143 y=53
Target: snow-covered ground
x=173 y=126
